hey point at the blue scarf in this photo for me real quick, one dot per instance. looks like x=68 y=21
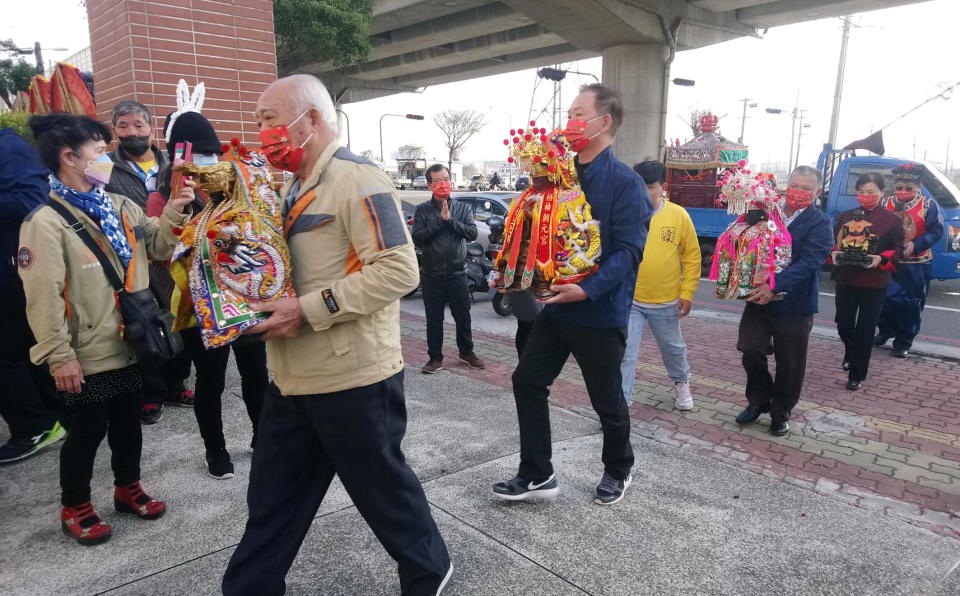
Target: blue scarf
x=98 y=205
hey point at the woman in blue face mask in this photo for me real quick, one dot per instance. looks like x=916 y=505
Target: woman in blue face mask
x=211 y=365
x=73 y=312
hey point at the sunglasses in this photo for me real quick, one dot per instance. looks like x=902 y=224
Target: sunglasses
x=902 y=187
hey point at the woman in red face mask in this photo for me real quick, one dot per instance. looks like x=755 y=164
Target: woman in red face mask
x=875 y=232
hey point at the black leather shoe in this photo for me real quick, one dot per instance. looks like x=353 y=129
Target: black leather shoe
x=779 y=428
x=845 y=365
x=854 y=385
x=898 y=353
x=879 y=340
x=750 y=414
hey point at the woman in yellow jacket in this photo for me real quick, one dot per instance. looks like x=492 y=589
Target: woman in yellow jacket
x=666 y=282
x=72 y=310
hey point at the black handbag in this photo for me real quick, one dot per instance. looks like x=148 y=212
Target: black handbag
x=147 y=327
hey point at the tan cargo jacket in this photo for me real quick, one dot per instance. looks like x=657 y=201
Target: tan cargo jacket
x=71 y=306
x=352 y=261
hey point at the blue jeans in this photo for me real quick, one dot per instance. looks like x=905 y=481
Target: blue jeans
x=665 y=324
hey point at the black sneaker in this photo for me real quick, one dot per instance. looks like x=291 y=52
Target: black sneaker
x=521 y=489
x=610 y=490
x=151 y=413
x=17 y=449
x=219 y=465
x=181 y=399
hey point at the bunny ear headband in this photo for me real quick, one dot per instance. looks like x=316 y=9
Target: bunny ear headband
x=186 y=103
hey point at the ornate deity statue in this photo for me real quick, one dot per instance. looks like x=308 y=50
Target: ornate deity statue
x=233 y=252
x=550 y=236
x=756 y=246
x=856 y=242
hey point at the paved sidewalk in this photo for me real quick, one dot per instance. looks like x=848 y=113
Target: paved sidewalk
x=893 y=446
x=689 y=525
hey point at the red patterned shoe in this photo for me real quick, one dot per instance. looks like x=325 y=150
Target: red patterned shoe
x=84 y=525
x=132 y=499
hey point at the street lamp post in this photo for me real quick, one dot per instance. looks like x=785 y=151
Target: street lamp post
x=383 y=158
x=345 y=117
x=36 y=51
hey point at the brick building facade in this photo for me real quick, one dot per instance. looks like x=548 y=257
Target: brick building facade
x=140 y=49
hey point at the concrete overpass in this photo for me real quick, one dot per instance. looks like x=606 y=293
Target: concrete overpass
x=417 y=43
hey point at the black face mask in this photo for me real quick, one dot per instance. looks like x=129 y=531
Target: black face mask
x=755 y=216
x=135 y=146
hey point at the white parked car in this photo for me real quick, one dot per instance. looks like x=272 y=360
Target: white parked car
x=420 y=183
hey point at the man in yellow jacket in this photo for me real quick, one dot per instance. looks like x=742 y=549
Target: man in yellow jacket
x=336 y=404
x=666 y=283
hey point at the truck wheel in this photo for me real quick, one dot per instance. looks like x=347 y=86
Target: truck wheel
x=501 y=305
x=706 y=258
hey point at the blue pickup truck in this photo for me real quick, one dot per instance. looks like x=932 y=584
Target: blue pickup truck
x=841 y=169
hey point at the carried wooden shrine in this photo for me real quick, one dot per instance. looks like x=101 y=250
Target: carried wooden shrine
x=694 y=168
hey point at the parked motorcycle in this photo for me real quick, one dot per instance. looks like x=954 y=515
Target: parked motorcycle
x=478 y=267
x=501 y=302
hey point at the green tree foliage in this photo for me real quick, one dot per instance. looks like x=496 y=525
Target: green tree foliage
x=18 y=121
x=15 y=75
x=334 y=31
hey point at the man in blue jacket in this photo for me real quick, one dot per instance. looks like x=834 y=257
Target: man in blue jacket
x=787 y=321
x=27 y=389
x=588 y=319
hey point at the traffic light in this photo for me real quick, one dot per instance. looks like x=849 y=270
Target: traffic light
x=552 y=74
x=414 y=117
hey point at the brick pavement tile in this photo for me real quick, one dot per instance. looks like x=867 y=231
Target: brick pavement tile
x=890 y=448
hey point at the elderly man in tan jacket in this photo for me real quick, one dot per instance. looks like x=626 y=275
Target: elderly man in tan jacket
x=337 y=402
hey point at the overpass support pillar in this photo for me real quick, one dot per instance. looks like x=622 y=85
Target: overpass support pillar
x=639 y=71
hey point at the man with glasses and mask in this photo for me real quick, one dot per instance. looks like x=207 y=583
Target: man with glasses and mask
x=336 y=404
x=788 y=320
x=922 y=229
x=589 y=319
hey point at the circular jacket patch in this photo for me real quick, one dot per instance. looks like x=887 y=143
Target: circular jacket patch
x=24 y=258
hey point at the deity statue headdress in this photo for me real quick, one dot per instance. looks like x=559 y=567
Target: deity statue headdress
x=543 y=153
x=742 y=190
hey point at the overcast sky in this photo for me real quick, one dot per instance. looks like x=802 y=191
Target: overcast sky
x=897 y=58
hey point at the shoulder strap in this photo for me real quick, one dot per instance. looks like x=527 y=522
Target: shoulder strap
x=84 y=235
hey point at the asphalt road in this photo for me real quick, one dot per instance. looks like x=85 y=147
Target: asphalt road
x=941 y=318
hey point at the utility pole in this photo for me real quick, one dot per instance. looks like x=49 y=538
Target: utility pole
x=838 y=91
x=743 y=118
x=36 y=54
x=799 y=138
x=793 y=132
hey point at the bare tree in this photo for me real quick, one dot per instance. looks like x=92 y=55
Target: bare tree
x=458 y=126
x=411 y=152
x=368 y=154
x=694 y=121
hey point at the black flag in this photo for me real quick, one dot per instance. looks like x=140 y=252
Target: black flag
x=872 y=143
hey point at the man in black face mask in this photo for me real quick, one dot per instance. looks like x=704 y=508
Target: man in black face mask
x=137 y=160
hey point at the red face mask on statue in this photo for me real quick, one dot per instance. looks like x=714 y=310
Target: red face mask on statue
x=277 y=148
x=797 y=198
x=905 y=195
x=868 y=202
x=576 y=133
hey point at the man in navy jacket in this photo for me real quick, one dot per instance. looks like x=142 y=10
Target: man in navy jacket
x=27 y=389
x=787 y=321
x=588 y=319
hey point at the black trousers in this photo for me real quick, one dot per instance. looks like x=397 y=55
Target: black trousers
x=28 y=401
x=858 y=310
x=211 y=367
x=599 y=353
x=119 y=420
x=791 y=335
x=440 y=291
x=304 y=441
x=524 y=329
x=165 y=380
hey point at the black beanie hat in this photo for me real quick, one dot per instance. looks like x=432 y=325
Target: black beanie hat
x=196 y=129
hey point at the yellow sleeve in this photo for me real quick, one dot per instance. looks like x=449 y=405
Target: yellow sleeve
x=42 y=268
x=378 y=233
x=690 y=259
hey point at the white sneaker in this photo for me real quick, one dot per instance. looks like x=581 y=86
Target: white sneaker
x=684 y=399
